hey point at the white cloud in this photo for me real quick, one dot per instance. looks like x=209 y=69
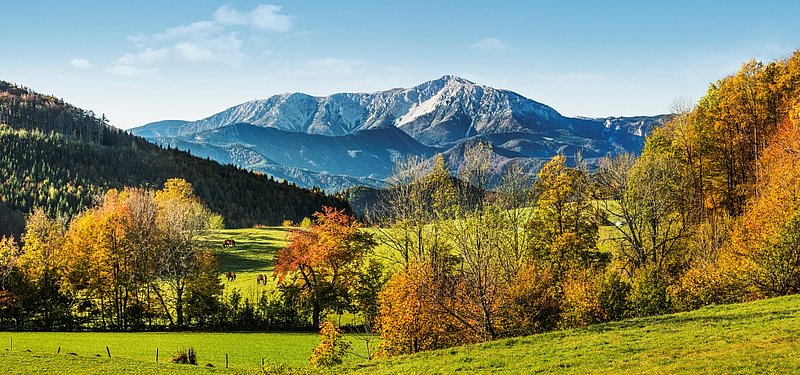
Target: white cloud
x=79 y=63
x=217 y=40
x=193 y=31
x=130 y=71
x=224 y=48
x=194 y=52
x=265 y=17
x=148 y=55
x=490 y=45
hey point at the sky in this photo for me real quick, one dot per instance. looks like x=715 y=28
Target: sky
x=143 y=61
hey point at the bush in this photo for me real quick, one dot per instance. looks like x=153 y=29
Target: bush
x=614 y=295
x=185 y=356
x=580 y=304
x=649 y=295
x=331 y=351
x=707 y=284
x=531 y=305
x=409 y=321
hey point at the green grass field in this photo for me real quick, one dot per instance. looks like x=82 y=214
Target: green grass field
x=755 y=337
x=254 y=254
x=245 y=350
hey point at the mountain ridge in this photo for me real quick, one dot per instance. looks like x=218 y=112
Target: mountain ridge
x=438 y=115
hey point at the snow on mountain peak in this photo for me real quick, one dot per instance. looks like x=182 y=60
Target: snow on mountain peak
x=436 y=113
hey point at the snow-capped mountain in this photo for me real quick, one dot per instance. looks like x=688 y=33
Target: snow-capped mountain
x=332 y=132
x=435 y=113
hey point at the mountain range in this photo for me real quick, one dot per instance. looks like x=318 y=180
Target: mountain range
x=348 y=139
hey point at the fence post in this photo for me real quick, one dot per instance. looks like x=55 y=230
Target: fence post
x=156 y=355
x=226 y=360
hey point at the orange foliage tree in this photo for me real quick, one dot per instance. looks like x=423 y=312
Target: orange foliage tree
x=409 y=319
x=768 y=234
x=326 y=257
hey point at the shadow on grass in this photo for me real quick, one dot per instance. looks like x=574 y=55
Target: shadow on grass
x=237 y=263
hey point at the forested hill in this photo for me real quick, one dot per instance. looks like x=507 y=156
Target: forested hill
x=59 y=157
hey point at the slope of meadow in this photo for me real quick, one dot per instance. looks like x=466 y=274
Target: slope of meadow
x=755 y=337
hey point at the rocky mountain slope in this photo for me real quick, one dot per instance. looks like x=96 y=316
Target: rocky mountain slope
x=358 y=136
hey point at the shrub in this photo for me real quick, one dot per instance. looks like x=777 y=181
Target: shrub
x=531 y=304
x=706 y=284
x=580 y=303
x=614 y=295
x=409 y=321
x=649 y=294
x=331 y=351
x=185 y=356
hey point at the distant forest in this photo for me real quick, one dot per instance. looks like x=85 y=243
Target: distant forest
x=59 y=157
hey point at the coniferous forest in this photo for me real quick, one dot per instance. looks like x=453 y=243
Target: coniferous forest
x=60 y=158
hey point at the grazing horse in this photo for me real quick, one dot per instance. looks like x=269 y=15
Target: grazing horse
x=228 y=243
x=231 y=276
x=261 y=279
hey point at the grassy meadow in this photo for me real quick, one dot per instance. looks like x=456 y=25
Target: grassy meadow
x=253 y=254
x=244 y=350
x=755 y=337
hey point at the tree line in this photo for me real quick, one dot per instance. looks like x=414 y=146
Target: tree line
x=132 y=261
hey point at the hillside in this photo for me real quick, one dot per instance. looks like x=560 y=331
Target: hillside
x=60 y=157
x=349 y=139
x=755 y=337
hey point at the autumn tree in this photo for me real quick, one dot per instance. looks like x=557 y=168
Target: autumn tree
x=642 y=200
x=43 y=261
x=419 y=196
x=181 y=218
x=327 y=257
x=767 y=235
x=409 y=319
x=12 y=286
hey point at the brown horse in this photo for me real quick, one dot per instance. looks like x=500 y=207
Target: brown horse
x=231 y=276
x=261 y=279
x=228 y=243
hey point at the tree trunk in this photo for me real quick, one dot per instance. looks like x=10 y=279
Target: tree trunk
x=179 y=305
x=315 y=314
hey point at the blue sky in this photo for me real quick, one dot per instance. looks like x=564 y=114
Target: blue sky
x=143 y=61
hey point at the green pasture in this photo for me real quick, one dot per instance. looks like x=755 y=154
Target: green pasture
x=244 y=350
x=755 y=337
x=253 y=254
